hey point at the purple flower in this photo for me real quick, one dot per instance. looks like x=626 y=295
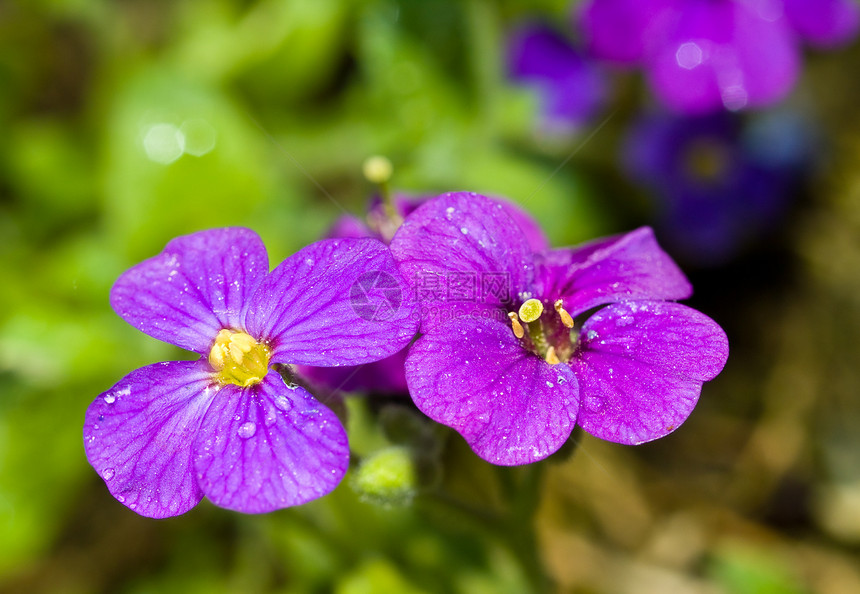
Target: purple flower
x=388 y=376
x=719 y=181
x=571 y=89
x=226 y=425
x=824 y=23
x=703 y=55
x=512 y=372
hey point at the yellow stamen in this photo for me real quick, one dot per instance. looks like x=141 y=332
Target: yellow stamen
x=238 y=358
x=531 y=310
x=562 y=313
x=377 y=169
x=515 y=323
x=551 y=357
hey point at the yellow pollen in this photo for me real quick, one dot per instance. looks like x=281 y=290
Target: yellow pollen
x=551 y=357
x=377 y=169
x=531 y=310
x=515 y=323
x=238 y=358
x=562 y=313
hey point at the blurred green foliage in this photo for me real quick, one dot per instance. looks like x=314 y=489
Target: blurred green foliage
x=126 y=123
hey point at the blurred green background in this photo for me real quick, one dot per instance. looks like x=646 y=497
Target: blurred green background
x=128 y=122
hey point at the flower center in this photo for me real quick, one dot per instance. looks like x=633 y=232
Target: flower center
x=706 y=160
x=550 y=337
x=239 y=359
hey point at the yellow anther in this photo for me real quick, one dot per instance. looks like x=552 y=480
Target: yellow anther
x=551 y=357
x=531 y=310
x=562 y=313
x=235 y=352
x=515 y=323
x=377 y=169
x=244 y=342
x=238 y=358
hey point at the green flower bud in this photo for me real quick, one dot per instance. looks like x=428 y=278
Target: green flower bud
x=386 y=477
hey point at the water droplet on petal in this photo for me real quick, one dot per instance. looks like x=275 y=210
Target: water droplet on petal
x=247 y=430
x=624 y=321
x=110 y=398
x=550 y=385
x=284 y=403
x=464 y=231
x=108 y=474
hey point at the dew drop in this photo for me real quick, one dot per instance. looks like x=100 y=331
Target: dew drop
x=594 y=403
x=464 y=231
x=108 y=474
x=110 y=398
x=550 y=385
x=284 y=403
x=247 y=430
x=624 y=321
x=591 y=335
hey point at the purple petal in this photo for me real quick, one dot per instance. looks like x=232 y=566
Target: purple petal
x=571 y=88
x=531 y=229
x=621 y=30
x=641 y=366
x=335 y=302
x=198 y=285
x=269 y=447
x=630 y=266
x=510 y=406
x=724 y=55
x=139 y=435
x=824 y=23
x=385 y=376
x=463 y=248
x=349 y=226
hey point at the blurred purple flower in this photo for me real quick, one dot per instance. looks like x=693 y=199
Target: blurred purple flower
x=703 y=55
x=571 y=89
x=824 y=23
x=718 y=181
x=387 y=376
x=226 y=425
x=509 y=371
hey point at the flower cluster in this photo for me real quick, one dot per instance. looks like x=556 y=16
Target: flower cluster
x=512 y=369
x=705 y=55
x=227 y=425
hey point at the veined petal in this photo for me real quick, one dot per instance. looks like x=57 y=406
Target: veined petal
x=335 y=302
x=268 y=447
x=630 y=266
x=198 y=285
x=641 y=366
x=510 y=406
x=139 y=435
x=463 y=247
